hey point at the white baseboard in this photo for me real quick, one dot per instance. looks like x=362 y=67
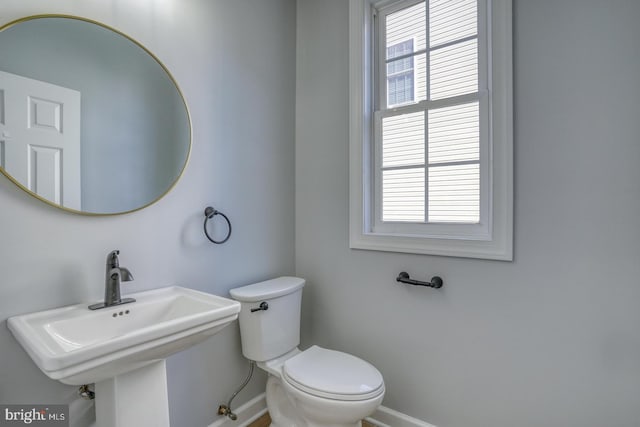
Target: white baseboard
x=256 y=407
x=385 y=417
x=247 y=413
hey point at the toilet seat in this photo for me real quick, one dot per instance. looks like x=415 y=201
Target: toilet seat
x=333 y=375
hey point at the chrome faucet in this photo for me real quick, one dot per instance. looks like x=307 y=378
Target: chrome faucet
x=114 y=274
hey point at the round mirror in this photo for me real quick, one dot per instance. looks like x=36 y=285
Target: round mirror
x=90 y=120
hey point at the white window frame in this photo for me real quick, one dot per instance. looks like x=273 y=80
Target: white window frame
x=493 y=238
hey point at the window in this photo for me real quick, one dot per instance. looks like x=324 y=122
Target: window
x=400 y=74
x=431 y=143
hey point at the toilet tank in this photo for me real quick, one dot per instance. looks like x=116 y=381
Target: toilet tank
x=267 y=334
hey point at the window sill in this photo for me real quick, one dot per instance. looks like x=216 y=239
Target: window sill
x=496 y=249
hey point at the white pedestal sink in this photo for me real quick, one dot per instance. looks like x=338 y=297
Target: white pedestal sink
x=122 y=349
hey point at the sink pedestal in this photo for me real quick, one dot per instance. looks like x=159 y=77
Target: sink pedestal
x=133 y=399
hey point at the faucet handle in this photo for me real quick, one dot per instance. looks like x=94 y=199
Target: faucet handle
x=125 y=274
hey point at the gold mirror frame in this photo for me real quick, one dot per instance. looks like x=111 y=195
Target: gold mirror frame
x=189 y=126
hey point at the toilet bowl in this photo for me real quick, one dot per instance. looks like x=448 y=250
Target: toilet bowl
x=316 y=387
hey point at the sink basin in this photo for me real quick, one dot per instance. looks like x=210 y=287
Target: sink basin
x=78 y=346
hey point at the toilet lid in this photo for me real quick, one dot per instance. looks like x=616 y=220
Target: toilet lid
x=333 y=374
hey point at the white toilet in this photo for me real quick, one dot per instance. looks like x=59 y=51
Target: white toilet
x=311 y=388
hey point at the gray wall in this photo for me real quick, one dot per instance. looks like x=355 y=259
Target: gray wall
x=550 y=339
x=235 y=62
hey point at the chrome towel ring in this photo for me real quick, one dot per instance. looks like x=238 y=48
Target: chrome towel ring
x=209 y=213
